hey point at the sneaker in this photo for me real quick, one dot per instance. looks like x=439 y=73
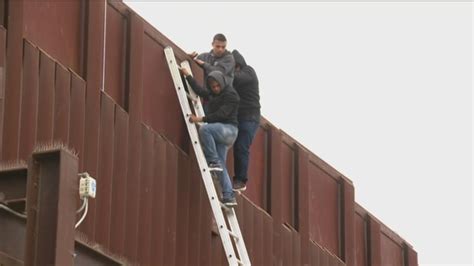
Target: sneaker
x=215 y=167
x=239 y=186
x=231 y=202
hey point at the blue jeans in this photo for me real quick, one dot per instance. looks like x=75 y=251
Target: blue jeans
x=216 y=139
x=247 y=131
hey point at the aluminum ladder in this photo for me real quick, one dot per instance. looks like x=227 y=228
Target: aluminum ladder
x=230 y=237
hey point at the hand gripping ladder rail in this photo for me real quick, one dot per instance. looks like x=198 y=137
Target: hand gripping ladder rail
x=220 y=211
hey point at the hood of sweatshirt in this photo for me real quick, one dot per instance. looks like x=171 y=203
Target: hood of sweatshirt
x=217 y=76
x=239 y=59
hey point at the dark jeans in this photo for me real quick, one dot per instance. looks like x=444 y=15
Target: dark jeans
x=247 y=130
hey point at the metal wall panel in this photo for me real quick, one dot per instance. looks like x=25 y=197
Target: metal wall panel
x=158 y=215
x=314 y=253
x=171 y=204
x=347 y=221
x=248 y=227
x=195 y=211
x=11 y=114
x=133 y=188
x=78 y=112
x=205 y=222
x=62 y=100
x=296 y=239
x=161 y=108
x=276 y=192
x=267 y=239
x=184 y=207
x=135 y=80
x=360 y=235
x=116 y=55
x=119 y=182
x=391 y=252
x=46 y=99
x=288 y=182
x=29 y=100
x=3 y=39
x=217 y=251
x=104 y=178
x=323 y=204
x=258 y=237
x=375 y=256
x=324 y=258
x=145 y=197
x=412 y=256
x=303 y=221
x=133 y=171
x=94 y=78
x=256 y=188
x=287 y=240
x=45 y=24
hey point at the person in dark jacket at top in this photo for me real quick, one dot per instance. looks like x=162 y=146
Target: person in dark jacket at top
x=246 y=85
x=219 y=58
x=220 y=132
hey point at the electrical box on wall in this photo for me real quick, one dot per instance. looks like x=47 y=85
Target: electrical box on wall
x=87 y=186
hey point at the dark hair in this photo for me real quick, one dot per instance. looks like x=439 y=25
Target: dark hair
x=219 y=37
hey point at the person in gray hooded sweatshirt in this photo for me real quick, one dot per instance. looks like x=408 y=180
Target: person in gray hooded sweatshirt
x=218 y=59
x=220 y=132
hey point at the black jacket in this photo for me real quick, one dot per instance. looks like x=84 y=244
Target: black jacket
x=246 y=85
x=222 y=107
x=224 y=64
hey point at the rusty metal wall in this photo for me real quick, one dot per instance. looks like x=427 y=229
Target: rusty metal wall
x=151 y=206
x=56 y=27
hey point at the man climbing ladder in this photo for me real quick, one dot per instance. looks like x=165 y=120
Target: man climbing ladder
x=220 y=132
x=226 y=220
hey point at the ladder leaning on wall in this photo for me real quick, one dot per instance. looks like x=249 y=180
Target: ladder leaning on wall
x=230 y=237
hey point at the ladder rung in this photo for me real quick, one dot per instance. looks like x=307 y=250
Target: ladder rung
x=191 y=97
x=233 y=235
x=225 y=207
x=239 y=262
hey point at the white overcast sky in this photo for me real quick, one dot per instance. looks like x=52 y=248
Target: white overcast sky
x=381 y=91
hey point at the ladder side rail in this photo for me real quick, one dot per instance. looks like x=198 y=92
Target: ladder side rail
x=239 y=243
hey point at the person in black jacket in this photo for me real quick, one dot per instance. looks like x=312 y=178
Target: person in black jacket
x=220 y=132
x=246 y=85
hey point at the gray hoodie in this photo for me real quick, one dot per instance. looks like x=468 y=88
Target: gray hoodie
x=224 y=64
